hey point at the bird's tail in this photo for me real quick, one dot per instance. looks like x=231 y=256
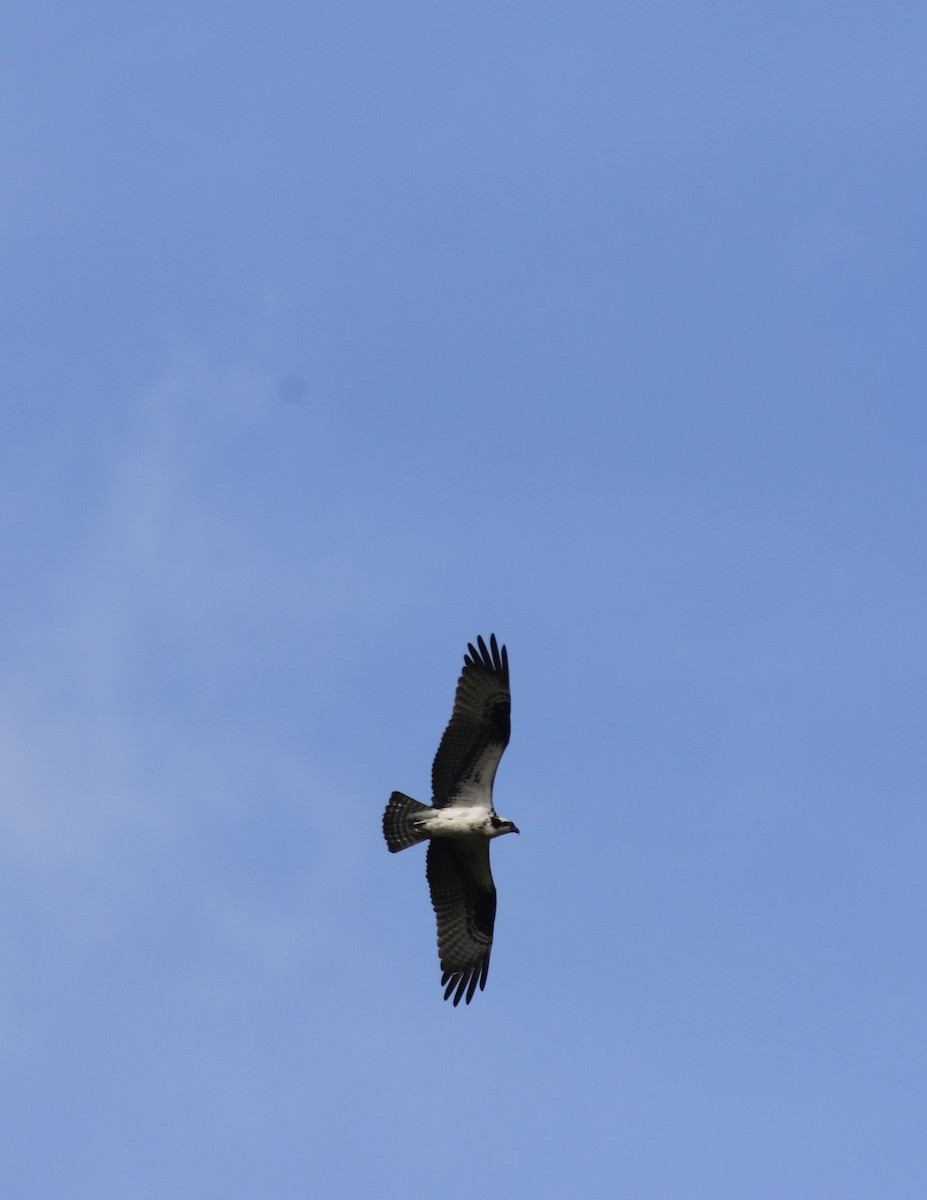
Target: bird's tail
x=400 y=827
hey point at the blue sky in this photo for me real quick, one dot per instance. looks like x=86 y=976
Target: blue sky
x=336 y=335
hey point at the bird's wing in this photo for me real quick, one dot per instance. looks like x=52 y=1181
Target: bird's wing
x=478 y=731
x=464 y=900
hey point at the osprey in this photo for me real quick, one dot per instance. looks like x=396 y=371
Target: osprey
x=461 y=821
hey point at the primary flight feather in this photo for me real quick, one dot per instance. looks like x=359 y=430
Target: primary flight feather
x=460 y=822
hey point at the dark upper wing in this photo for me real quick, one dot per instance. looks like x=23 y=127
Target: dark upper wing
x=478 y=730
x=464 y=900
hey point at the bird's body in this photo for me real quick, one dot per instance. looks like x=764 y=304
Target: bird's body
x=461 y=821
x=471 y=820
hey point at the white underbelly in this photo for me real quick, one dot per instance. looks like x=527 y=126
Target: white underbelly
x=456 y=821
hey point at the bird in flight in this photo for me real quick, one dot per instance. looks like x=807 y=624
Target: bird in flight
x=460 y=822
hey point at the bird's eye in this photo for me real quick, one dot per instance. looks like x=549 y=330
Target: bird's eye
x=495 y=822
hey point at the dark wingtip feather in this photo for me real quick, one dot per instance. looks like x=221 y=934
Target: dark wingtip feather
x=500 y=658
x=462 y=985
x=494 y=658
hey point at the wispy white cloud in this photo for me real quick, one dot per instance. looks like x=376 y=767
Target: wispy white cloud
x=120 y=750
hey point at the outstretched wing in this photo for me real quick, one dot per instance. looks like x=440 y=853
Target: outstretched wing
x=464 y=899
x=478 y=731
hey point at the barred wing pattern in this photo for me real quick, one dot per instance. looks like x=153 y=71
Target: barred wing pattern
x=464 y=899
x=478 y=731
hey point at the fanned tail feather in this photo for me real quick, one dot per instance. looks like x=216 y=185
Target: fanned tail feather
x=400 y=827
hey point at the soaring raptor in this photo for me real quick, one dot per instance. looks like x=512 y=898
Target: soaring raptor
x=461 y=820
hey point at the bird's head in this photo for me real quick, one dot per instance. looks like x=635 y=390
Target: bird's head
x=498 y=826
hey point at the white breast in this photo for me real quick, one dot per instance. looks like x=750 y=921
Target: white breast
x=456 y=821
